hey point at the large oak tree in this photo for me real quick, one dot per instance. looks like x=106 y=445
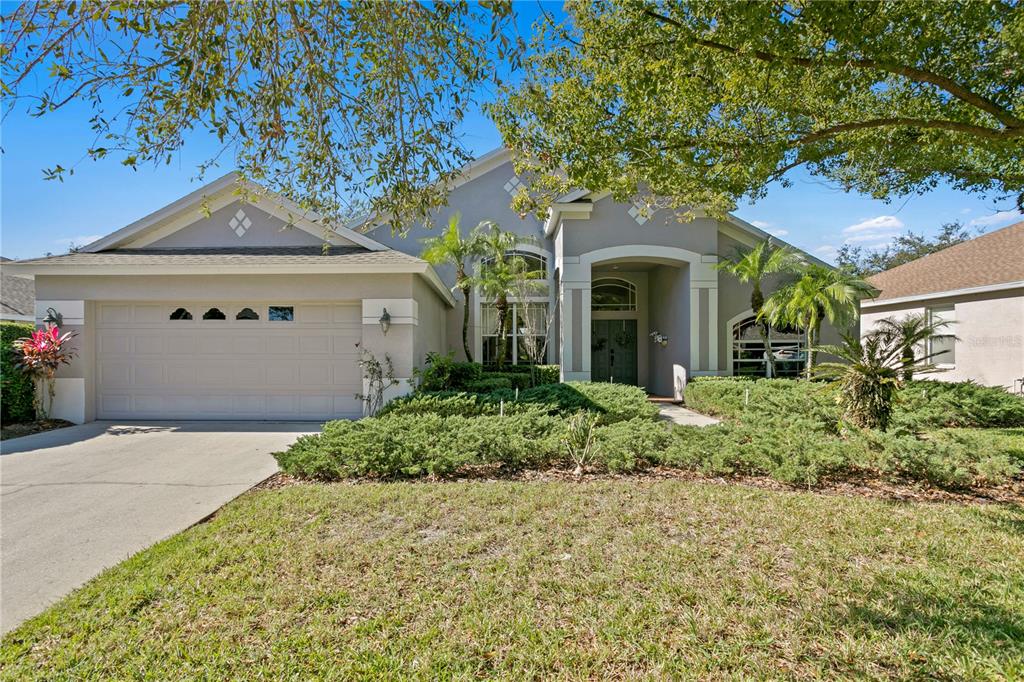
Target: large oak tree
x=336 y=105
x=704 y=103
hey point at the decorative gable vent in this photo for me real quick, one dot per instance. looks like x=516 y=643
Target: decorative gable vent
x=639 y=213
x=513 y=185
x=240 y=223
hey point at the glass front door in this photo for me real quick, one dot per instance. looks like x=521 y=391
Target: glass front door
x=613 y=346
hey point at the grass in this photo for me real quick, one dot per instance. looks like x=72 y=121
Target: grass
x=599 y=579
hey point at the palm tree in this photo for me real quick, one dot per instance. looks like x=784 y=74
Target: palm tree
x=451 y=248
x=751 y=266
x=907 y=333
x=501 y=275
x=820 y=294
x=870 y=374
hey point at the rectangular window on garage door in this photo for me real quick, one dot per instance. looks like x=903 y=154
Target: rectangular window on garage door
x=281 y=313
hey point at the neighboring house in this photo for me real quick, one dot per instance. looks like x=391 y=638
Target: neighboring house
x=979 y=287
x=224 y=307
x=17 y=296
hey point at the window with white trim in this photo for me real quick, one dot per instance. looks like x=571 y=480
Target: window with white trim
x=527 y=324
x=748 y=353
x=942 y=347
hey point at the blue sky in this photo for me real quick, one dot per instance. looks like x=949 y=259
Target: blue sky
x=39 y=216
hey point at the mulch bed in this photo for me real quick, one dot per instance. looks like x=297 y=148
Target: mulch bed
x=892 y=491
x=9 y=431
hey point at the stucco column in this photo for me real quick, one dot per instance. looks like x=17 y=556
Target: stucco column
x=73 y=399
x=398 y=343
x=704 y=316
x=574 y=321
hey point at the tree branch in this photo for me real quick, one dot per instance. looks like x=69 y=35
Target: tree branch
x=910 y=72
x=956 y=126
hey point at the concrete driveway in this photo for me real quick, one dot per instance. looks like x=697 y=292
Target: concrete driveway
x=78 y=500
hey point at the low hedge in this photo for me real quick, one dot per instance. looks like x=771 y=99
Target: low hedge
x=403 y=445
x=935 y=404
x=442 y=373
x=787 y=430
x=921 y=405
x=612 y=402
x=16 y=389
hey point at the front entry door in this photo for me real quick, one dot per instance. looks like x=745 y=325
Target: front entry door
x=613 y=351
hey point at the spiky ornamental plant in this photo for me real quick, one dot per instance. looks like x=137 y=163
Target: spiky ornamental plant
x=869 y=375
x=819 y=294
x=452 y=248
x=41 y=355
x=910 y=333
x=752 y=266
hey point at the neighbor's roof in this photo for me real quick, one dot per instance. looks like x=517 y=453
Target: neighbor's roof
x=17 y=296
x=992 y=259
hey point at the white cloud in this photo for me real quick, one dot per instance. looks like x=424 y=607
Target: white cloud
x=762 y=224
x=779 y=233
x=77 y=241
x=965 y=211
x=882 y=223
x=826 y=250
x=996 y=219
x=873 y=233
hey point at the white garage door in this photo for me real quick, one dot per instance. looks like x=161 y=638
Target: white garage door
x=220 y=360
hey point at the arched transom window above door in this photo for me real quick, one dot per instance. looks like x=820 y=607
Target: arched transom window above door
x=612 y=293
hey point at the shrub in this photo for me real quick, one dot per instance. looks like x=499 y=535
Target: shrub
x=399 y=445
x=453 y=403
x=800 y=453
x=538 y=374
x=442 y=373
x=630 y=445
x=613 y=402
x=520 y=380
x=16 y=387
x=762 y=399
x=926 y=405
x=489 y=384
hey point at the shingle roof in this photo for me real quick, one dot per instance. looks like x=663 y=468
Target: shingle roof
x=994 y=258
x=291 y=255
x=17 y=296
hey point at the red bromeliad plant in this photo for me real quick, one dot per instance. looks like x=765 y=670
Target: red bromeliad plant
x=39 y=356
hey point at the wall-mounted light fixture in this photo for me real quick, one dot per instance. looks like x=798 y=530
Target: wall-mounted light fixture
x=385 y=322
x=53 y=318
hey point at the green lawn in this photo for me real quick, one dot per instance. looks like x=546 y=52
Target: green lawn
x=605 y=578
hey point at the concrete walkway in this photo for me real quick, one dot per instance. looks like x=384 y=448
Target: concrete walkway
x=78 y=500
x=681 y=415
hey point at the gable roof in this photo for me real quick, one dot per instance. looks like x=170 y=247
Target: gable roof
x=993 y=259
x=224 y=190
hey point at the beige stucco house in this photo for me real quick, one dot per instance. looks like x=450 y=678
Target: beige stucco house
x=978 y=286
x=225 y=305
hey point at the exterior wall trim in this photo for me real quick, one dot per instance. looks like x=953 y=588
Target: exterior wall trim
x=879 y=303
